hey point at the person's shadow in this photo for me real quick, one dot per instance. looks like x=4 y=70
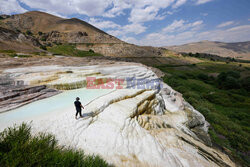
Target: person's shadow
x=87 y=115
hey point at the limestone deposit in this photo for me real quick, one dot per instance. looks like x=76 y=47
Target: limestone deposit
x=128 y=126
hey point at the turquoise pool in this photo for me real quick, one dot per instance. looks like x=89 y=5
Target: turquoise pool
x=55 y=103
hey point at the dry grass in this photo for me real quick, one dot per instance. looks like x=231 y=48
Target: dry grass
x=69 y=86
x=44 y=81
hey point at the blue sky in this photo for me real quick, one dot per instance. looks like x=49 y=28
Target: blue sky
x=152 y=22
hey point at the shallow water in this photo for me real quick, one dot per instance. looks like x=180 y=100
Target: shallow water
x=49 y=105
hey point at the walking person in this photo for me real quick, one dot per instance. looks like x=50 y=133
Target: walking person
x=79 y=107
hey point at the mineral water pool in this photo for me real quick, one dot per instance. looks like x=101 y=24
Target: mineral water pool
x=49 y=105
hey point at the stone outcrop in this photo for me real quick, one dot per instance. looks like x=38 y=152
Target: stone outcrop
x=122 y=49
x=14 y=94
x=10 y=35
x=77 y=37
x=15 y=40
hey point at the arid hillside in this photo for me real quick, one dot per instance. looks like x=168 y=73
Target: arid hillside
x=36 y=31
x=239 y=50
x=48 y=26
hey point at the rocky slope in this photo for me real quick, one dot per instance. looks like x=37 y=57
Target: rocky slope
x=240 y=50
x=14 y=97
x=48 y=30
x=61 y=30
x=140 y=126
x=123 y=50
x=13 y=40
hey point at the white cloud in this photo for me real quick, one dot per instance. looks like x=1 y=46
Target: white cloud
x=197 y=23
x=225 y=24
x=143 y=12
x=199 y=2
x=238 y=33
x=162 y=39
x=102 y=24
x=178 y=31
x=182 y=25
x=170 y=13
x=142 y=15
x=116 y=33
x=10 y=6
x=140 y=11
x=155 y=39
x=130 y=39
x=55 y=14
x=178 y=3
x=86 y=7
x=204 y=14
x=174 y=26
x=134 y=28
x=117 y=8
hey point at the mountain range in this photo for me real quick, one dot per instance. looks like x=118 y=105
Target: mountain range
x=238 y=50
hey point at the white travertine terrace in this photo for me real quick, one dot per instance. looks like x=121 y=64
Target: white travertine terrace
x=127 y=127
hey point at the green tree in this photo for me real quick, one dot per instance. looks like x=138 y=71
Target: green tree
x=28 y=32
x=40 y=33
